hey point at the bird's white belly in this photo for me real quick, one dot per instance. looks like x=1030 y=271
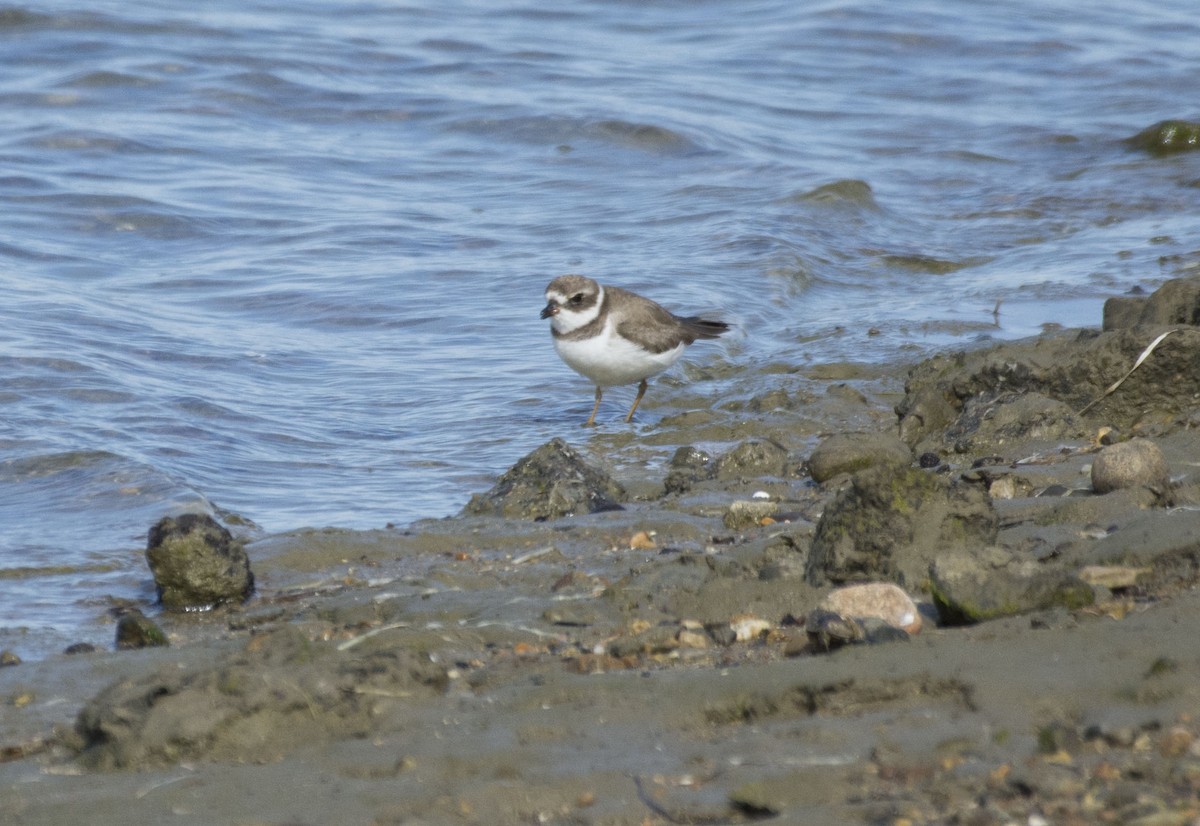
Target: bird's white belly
x=609 y=360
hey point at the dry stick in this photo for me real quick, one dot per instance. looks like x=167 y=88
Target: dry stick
x=1149 y=349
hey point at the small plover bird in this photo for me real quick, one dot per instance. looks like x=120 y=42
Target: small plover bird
x=614 y=337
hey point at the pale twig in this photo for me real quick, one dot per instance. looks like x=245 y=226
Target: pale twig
x=1141 y=358
x=350 y=643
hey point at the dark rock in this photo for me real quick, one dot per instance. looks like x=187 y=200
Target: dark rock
x=1167 y=137
x=79 y=648
x=721 y=633
x=852 y=452
x=1132 y=464
x=973 y=587
x=1076 y=369
x=8 y=658
x=829 y=630
x=551 y=482
x=752 y=459
x=283 y=691
x=136 y=630
x=1176 y=302
x=688 y=466
x=891 y=522
x=197 y=563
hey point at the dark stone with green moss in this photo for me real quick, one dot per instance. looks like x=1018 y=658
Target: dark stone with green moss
x=753 y=459
x=852 y=452
x=967 y=589
x=197 y=564
x=136 y=630
x=688 y=466
x=1168 y=137
x=890 y=523
x=551 y=482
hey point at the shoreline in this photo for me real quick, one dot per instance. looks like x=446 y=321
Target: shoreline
x=657 y=662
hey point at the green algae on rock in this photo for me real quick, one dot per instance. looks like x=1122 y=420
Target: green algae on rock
x=1167 y=137
x=136 y=630
x=197 y=564
x=852 y=452
x=968 y=587
x=551 y=482
x=890 y=522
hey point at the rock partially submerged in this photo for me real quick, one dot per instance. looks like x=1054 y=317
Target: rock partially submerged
x=688 y=466
x=753 y=458
x=136 y=630
x=197 y=564
x=551 y=482
x=1167 y=137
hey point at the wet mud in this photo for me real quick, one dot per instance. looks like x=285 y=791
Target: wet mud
x=634 y=626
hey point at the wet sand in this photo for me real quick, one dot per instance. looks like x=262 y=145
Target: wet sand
x=597 y=668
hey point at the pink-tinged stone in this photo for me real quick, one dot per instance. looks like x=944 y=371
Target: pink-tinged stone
x=881 y=600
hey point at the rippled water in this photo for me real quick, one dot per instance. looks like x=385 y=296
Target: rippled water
x=286 y=259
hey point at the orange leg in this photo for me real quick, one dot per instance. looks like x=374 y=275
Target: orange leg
x=591 y=422
x=641 y=392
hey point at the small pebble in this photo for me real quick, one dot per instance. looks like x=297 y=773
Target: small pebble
x=641 y=541
x=748 y=627
x=1175 y=742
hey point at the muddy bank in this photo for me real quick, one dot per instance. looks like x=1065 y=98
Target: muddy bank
x=634 y=627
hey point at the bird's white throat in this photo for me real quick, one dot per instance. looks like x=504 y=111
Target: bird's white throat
x=567 y=320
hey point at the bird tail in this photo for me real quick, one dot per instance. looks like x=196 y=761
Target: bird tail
x=703 y=327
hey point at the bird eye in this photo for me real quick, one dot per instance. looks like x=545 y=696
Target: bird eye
x=577 y=298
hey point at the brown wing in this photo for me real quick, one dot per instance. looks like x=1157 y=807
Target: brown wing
x=658 y=329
